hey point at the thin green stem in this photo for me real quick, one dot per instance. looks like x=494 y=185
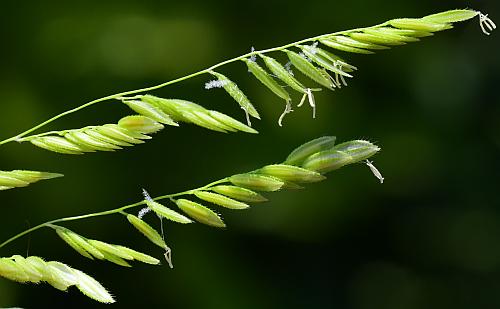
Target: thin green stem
x=151 y=88
x=107 y=212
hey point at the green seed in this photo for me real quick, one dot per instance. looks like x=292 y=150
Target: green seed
x=147 y=230
x=91 y=288
x=277 y=69
x=200 y=213
x=345 y=47
x=326 y=161
x=105 y=247
x=266 y=79
x=375 y=39
x=39 y=264
x=104 y=138
x=150 y=111
x=173 y=107
x=139 y=256
x=358 y=149
x=7 y=180
x=82 y=242
x=115 y=259
x=57 y=144
x=191 y=117
x=61 y=275
x=33 y=176
x=239 y=193
x=309 y=70
x=299 y=154
x=88 y=142
x=405 y=32
x=451 y=16
x=238 y=95
x=140 y=124
x=419 y=24
x=314 y=54
x=220 y=200
x=207 y=119
x=345 y=40
x=34 y=275
x=119 y=133
x=168 y=213
x=10 y=270
x=231 y=122
x=62 y=234
x=291 y=173
x=256 y=182
x=390 y=36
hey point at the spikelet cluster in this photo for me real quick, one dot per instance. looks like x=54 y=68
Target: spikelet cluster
x=34 y=269
x=130 y=130
x=306 y=164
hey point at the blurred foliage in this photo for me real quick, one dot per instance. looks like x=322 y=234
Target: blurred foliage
x=427 y=238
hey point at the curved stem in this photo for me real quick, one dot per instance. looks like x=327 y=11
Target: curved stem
x=207 y=70
x=107 y=212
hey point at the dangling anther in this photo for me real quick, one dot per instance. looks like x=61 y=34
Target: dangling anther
x=487 y=25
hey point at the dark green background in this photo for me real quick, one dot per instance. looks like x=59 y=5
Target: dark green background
x=429 y=237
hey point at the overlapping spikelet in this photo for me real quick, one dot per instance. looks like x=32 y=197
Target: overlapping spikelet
x=91 y=248
x=22 y=178
x=35 y=270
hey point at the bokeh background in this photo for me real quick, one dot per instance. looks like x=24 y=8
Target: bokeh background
x=429 y=237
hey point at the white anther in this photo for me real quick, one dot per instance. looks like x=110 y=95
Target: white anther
x=312 y=103
x=168 y=256
x=486 y=23
x=288 y=109
x=247 y=115
x=375 y=171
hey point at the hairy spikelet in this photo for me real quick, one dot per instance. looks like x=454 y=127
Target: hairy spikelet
x=220 y=200
x=147 y=230
x=239 y=193
x=238 y=95
x=283 y=74
x=309 y=70
x=291 y=173
x=22 y=178
x=166 y=212
x=298 y=155
x=266 y=79
x=200 y=213
x=34 y=269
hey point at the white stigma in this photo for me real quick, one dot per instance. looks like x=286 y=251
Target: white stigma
x=312 y=103
x=215 y=84
x=145 y=210
x=253 y=57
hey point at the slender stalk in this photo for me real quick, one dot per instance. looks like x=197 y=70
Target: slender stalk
x=107 y=212
x=142 y=90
